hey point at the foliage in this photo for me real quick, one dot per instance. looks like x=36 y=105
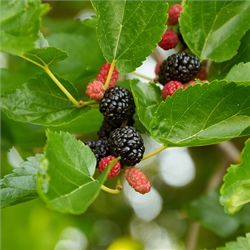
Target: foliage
x=44 y=86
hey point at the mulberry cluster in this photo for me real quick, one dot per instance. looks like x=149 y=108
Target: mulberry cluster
x=117 y=137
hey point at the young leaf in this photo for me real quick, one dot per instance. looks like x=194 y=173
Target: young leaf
x=213 y=29
x=44 y=56
x=20 y=24
x=235 y=190
x=65 y=179
x=41 y=102
x=20 y=186
x=203 y=114
x=147 y=98
x=128 y=31
x=242 y=243
x=239 y=73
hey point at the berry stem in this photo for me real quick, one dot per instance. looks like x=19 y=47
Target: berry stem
x=155 y=152
x=109 y=190
x=111 y=69
x=141 y=75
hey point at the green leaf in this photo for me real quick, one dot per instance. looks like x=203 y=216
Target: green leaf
x=83 y=125
x=208 y=211
x=147 y=98
x=45 y=56
x=41 y=102
x=203 y=114
x=235 y=190
x=213 y=29
x=90 y=22
x=242 y=243
x=243 y=55
x=20 y=24
x=65 y=179
x=128 y=31
x=20 y=186
x=239 y=73
x=21 y=136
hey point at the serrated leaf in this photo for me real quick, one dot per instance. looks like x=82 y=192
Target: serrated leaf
x=213 y=29
x=147 y=98
x=203 y=114
x=235 y=190
x=239 y=73
x=45 y=56
x=20 y=186
x=65 y=179
x=20 y=24
x=242 y=243
x=41 y=102
x=243 y=55
x=128 y=31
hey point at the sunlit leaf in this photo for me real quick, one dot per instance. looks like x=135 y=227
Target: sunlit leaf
x=203 y=114
x=128 y=31
x=65 y=179
x=20 y=186
x=239 y=73
x=242 y=243
x=235 y=190
x=213 y=29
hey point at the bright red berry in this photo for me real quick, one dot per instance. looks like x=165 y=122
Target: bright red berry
x=137 y=180
x=170 y=87
x=157 y=67
x=169 y=40
x=103 y=73
x=104 y=162
x=174 y=14
x=202 y=74
x=95 y=90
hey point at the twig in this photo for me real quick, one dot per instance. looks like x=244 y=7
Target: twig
x=230 y=155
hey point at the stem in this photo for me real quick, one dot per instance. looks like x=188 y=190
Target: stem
x=27 y=59
x=183 y=2
x=155 y=152
x=118 y=184
x=109 y=190
x=230 y=155
x=157 y=55
x=193 y=236
x=62 y=88
x=111 y=69
x=141 y=75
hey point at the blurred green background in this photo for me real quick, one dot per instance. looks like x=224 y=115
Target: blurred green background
x=161 y=219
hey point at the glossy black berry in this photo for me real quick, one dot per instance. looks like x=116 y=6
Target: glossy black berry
x=127 y=143
x=117 y=105
x=106 y=128
x=99 y=148
x=179 y=67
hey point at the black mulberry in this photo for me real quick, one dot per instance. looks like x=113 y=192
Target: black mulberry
x=180 y=67
x=127 y=143
x=117 y=105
